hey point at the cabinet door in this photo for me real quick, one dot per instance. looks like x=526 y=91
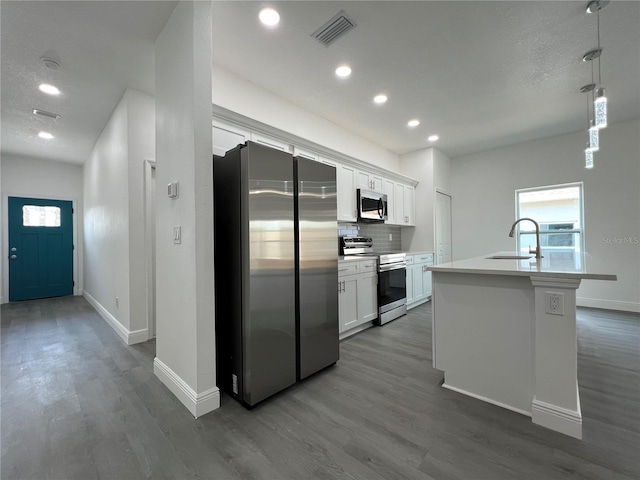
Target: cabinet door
x=389 y=190
x=426 y=281
x=418 y=283
x=271 y=142
x=367 y=298
x=409 y=200
x=346 y=179
x=399 y=204
x=348 y=303
x=377 y=183
x=410 y=292
x=225 y=137
x=369 y=181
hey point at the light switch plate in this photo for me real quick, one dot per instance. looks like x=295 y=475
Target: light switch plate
x=177 y=235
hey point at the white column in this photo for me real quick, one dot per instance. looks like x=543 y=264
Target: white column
x=556 y=400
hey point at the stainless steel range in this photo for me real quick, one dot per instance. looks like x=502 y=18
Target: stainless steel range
x=392 y=276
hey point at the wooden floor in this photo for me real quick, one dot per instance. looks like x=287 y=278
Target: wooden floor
x=79 y=404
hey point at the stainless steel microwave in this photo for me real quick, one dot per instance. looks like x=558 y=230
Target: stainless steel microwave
x=372 y=206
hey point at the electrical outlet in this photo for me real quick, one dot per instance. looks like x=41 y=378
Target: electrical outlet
x=390 y=237
x=554 y=303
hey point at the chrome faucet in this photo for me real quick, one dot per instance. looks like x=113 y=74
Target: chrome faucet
x=538 y=249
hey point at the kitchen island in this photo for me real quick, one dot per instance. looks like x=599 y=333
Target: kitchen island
x=504 y=331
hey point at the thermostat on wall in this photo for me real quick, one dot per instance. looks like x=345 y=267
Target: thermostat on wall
x=172 y=190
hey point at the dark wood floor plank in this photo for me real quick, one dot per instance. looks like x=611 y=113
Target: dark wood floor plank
x=79 y=404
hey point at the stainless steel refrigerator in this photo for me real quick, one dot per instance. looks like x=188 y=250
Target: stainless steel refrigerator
x=276 y=270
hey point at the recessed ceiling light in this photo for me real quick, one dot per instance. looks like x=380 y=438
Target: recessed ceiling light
x=343 y=71
x=49 y=89
x=380 y=98
x=45 y=135
x=433 y=138
x=413 y=123
x=269 y=17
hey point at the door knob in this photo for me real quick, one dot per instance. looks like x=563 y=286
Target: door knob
x=13 y=257
x=14 y=249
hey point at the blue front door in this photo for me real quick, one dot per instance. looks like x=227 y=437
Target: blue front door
x=40 y=248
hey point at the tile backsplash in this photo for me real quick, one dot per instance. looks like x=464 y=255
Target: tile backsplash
x=379 y=233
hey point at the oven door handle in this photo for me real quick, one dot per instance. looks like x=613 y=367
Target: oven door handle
x=395 y=266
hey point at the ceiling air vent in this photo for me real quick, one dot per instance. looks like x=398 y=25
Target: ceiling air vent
x=44 y=113
x=335 y=28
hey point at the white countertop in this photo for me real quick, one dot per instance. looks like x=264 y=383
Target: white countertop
x=565 y=265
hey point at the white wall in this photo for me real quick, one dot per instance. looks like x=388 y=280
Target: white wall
x=185 y=345
x=484 y=184
x=39 y=178
x=246 y=98
x=141 y=146
x=114 y=260
x=106 y=220
x=431 y=168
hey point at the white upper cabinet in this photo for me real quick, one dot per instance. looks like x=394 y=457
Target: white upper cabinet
x=389 y=191
x=369 y=181
x=404 y=205
x=271 y=142
x=346 y=185
x=409 y=204
x=226 y=137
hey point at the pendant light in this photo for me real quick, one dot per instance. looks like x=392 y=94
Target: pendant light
x=600 y=103
x=593 y=142
x=594 y=133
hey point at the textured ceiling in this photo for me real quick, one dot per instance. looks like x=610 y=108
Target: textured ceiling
x=103 y=48
x=480 y=74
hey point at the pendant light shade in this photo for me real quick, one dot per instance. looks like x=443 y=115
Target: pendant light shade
x=588 y=158
x=600 y=109
x=594 y=138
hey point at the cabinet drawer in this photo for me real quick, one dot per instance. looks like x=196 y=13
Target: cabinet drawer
x=367 y=266
x=424 y=258
x=347 y=268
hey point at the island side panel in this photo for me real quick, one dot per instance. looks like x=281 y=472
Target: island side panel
x=556 y=401
x=483 y=328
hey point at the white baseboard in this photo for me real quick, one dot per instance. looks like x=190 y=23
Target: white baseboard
x=197 y=403
x=128 y=336
x=608 y=304
x=355 y=330
x=488 y=400
x=557 y=418
x=419 y=302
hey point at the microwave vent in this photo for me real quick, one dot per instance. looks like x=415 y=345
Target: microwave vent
x=335 y=28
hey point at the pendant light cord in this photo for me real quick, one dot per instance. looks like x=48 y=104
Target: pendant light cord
x=599 y=56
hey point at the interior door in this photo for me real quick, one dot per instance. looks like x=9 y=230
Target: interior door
x=40 y=248
x=443 y=228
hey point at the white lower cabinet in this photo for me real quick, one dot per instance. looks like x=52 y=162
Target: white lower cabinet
x=367 y=297
x=348 y=302
x=418 y=278
x=357 y=295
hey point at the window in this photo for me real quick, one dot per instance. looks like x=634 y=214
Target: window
x=37 y=216
x=559 y=211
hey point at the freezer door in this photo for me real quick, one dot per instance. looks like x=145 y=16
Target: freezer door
x=269 y=356
x=317 y=259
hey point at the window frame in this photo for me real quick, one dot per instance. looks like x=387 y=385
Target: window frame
x=581 y=230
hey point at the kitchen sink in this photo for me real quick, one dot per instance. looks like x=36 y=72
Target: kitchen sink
x=510 y=257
